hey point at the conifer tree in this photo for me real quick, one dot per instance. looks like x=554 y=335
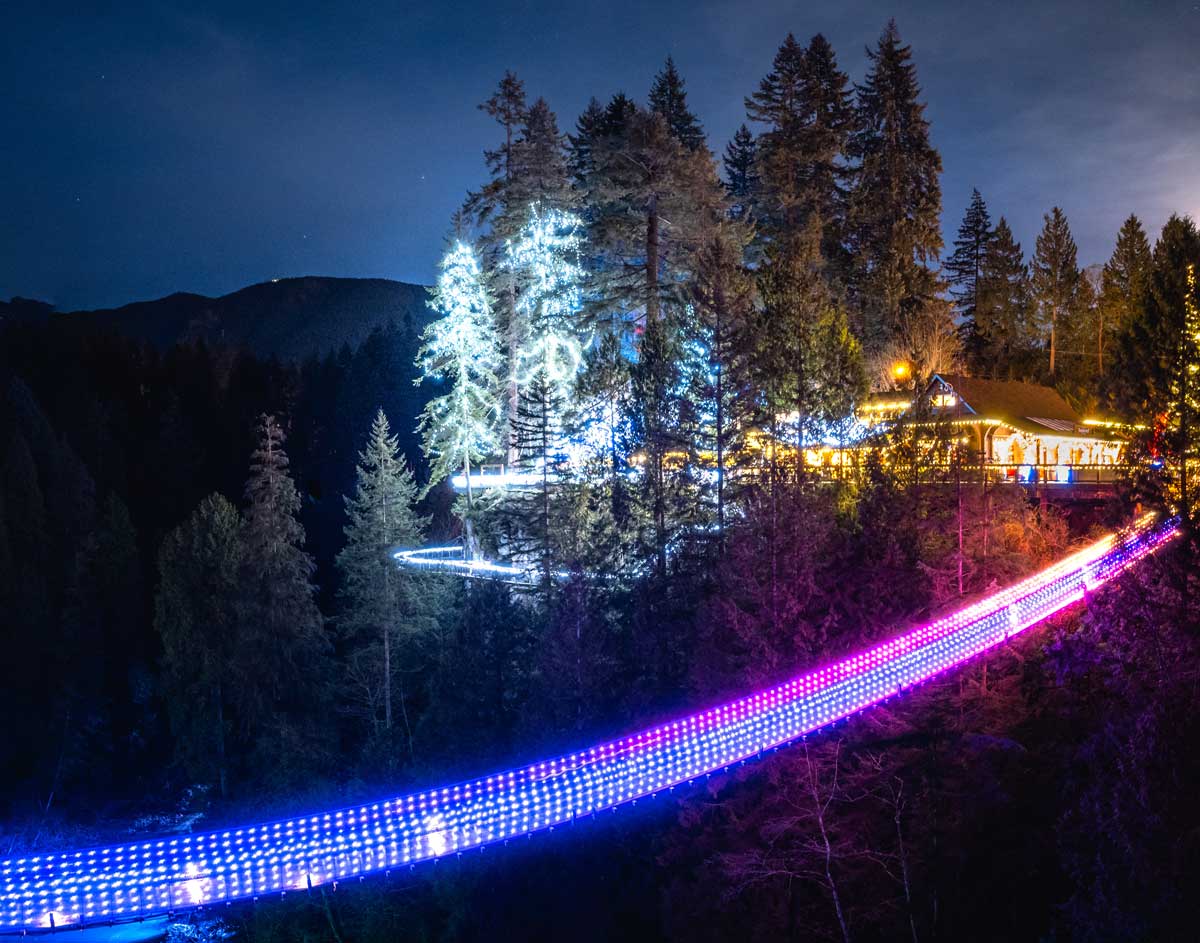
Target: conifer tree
x=653 y=199
x=966 y=264
x=658 y=432
x=539 y=163
x=545 y=263
x=588 y=127
x=601 y=414
x=777 y=105
x=541 y=444
x=895 y=229
x=1123 y=284
x=207 y=666
x=804 y=102
x=999 y=333
x=669 y=99
x=461 y=348
x=284 y=633
x=808 y=364
x=508 y=107
x=1148 y=348
x=1054 y=278
x=724 y=300
x=379 y=601
x=741 y=174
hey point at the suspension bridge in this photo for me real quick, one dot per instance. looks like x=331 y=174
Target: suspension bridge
x=139 y=879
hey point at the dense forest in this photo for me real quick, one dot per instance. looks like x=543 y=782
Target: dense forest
x=203 y=624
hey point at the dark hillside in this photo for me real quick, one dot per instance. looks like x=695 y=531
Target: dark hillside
x=292 y=318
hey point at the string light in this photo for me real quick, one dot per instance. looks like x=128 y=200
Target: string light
x=135 y=879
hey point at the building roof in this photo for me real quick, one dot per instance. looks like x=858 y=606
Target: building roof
x=1025 y=406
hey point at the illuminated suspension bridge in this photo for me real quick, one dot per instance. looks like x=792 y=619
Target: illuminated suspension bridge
x=171 y=875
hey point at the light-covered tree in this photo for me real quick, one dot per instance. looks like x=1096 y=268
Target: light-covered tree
x=545 y=258
x=461 y=348
x=378 y=601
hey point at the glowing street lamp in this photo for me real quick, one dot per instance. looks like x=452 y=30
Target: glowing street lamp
x=901 y=371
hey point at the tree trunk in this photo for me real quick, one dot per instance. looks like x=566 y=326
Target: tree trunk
x=387 y=677
x=652 y=259
x=1053 y=325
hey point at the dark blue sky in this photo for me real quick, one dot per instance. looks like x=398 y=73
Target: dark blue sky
x=149 y=149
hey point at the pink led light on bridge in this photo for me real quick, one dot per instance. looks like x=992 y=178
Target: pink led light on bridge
x=137 y=879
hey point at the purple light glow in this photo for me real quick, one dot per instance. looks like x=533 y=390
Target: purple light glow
x=142 y=878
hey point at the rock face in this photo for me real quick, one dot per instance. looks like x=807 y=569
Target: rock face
x=291 y=318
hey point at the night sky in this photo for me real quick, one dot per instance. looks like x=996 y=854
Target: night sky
x=152 y=149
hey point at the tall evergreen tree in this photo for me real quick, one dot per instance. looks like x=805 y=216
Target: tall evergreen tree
x=741 y=173
x=724 y=300
x=809 y=366
x=659 y=433
x=967 y=262
x=804 y=102
x=207 y=668
x=284 y=631
x=653 y=199
x=379 y=602
x=998 y=335
x=777 y=104
x=588 y=127
x=546 y=266
x=509 y=108
x=540 y=173
x=1148 y=348
x=1124 y=283
x=669 y=99
x=1054 y=278
x=462 y=348
x=895 y=226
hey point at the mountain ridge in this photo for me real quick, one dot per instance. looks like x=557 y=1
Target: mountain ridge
x=289 y=318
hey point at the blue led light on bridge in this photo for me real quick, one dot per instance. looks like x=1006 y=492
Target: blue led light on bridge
x=137 y=879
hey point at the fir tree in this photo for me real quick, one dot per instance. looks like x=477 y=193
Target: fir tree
x=541 y=443
x=966 y=264
x=777 y=105
x=804 y=102
x=1054 y=278
x=1123 y=284
x=668 y=98
x=658 y=433
x=808 y=364
x=653 y=199
x=378 y=600
x=724 y=299
x=741 y=174
x=1148 y=348
x=461 y=348
x=545 y=263
x=895 y=229
x=207 y=667
x=539 y=163
x=284 y=631
x=1184 y=413
x=510 y=110
x=601 y=415
x=588 y=127
x=999 y=333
